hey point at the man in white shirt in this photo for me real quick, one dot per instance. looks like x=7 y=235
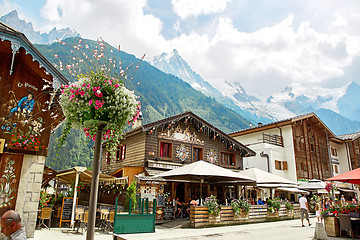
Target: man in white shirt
x=304 y=209
x=11 y=226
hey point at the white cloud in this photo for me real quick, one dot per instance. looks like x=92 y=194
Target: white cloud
x=269 y=59
x=304 y=48
x=187 y=8
x=116 y=21
x=7 y=6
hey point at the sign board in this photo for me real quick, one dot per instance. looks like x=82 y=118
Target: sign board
x=66 y=210
x=162 y=165
x=159 y=213
x=168 y=213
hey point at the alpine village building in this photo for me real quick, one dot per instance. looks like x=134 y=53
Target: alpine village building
x=300 y=148
x=29 y=112
x=150 y=149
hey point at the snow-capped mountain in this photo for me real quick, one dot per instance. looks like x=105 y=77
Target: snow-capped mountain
x=335 y=106
x=300 y=99
x=12 y=19
x=233 y=96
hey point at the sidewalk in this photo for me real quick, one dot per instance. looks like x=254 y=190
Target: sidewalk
x=285 y=230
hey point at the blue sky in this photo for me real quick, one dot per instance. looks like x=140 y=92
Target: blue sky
x=265 y=45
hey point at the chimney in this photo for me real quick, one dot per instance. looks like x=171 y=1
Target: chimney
x=138 y=121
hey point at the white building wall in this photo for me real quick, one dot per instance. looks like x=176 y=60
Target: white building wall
x=342 y=157
x=255 y=142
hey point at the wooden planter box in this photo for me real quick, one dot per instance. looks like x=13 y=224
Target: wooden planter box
x=332 y=226
x=290 y=213
x=241 y=216
x=227 y=213
x=272 y=214
x=214 y=219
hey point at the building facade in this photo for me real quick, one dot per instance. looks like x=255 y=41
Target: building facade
x=295 y=148
x=170 y=143
x=28 y=114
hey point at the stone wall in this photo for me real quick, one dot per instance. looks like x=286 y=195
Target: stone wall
x=29 y=191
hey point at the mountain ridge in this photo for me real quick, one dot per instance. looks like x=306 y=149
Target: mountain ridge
x=339 y=103
x=12 y=19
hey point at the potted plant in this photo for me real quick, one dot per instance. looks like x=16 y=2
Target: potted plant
x=213 y=209
x=241 y=208
x=273 y=207
x=331 y=220
x=130 y=194
x=289 y=208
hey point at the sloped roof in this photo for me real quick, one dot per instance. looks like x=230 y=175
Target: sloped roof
x=199 y=123
x=350 y=136
x=10 y=34
x=288 y=121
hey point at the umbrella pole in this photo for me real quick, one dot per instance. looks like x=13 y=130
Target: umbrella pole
x=201 y=182
x=94 y=184
x=74 y=198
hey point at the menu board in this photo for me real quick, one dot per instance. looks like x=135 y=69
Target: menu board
x=168 y=213
x=66 y=209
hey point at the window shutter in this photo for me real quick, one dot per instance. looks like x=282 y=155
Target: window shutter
x=123 y=150
x=285 y=166
x=107 y=157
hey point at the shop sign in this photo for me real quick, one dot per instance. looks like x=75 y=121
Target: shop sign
x=162 y=165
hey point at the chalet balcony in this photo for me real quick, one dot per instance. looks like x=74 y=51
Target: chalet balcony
x=273 y=139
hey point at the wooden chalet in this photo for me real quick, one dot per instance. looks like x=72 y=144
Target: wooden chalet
x=295 y=148
x=150 y=149
x=28 y=114
x=352 y=145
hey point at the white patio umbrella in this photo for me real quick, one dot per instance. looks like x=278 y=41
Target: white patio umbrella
x=313 y=184
x=202 y=171
x=266 y=179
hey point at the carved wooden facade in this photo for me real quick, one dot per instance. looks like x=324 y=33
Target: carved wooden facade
x=172 y=142
x=311 y=149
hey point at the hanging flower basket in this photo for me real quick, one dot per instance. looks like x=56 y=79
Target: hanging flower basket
x=99 y=99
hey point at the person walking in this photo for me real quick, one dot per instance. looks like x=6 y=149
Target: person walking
x=11 y=226
x=304 y=209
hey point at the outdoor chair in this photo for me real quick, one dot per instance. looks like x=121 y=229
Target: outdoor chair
x=45 y=214
x=104 y=216
x=84 y=221
x=345 y=223
x=79 y=215
x=110 y=221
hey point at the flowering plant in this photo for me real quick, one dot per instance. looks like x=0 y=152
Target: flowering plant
x=273 y=205
x=98 y=96
x=331 y=186
x=240 y=206
x=289 y=205
x=212 y=204
x=80 y=186
x=44 y=198
x=26 y=141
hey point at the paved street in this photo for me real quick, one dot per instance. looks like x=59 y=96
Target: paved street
x=290 y=229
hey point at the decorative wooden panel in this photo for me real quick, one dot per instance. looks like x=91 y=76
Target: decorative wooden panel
x=10 y=169
x=26 y=114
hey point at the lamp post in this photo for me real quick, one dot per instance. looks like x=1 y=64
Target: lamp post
x=95 y=183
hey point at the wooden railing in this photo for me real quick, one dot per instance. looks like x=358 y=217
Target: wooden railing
x=273 y=139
